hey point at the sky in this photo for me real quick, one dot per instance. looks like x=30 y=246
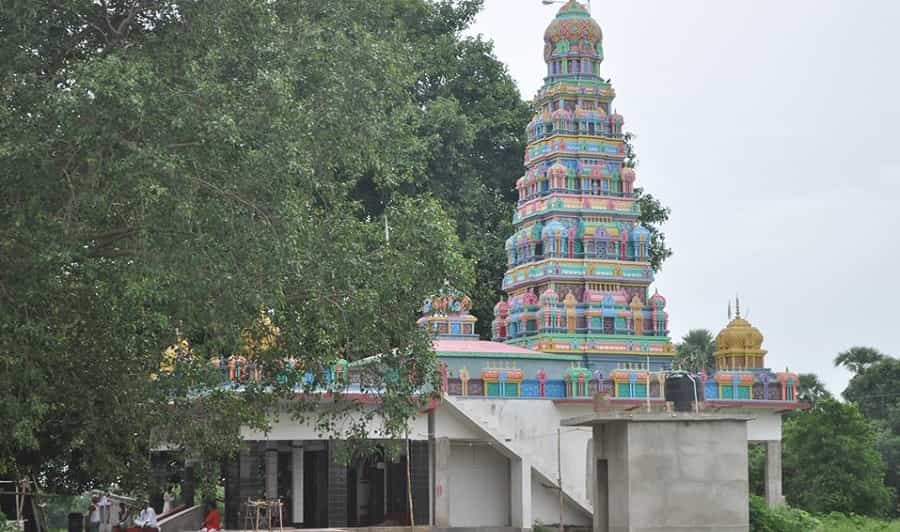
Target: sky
x=771 y=128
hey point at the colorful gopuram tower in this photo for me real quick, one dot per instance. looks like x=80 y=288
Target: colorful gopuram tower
x=578 y=266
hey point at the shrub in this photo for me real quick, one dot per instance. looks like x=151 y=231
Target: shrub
x=781 y=519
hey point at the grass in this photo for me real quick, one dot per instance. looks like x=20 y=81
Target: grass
x=836 y=522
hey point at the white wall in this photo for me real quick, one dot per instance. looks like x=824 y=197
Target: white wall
x=531 y=427
x=479 y=486
x=765 y=425
x=545 y=506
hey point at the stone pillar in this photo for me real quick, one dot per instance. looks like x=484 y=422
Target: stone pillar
x=337 y=487
x=188 y=484
x=600 y=476
x=520 y=494
x=297 y=482
x=442 y=482
x=231 y=471
x=421 y=486
x=271 y=472
x=773 y=473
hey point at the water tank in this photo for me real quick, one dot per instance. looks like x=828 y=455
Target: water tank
x=680 y=391
x=76 y=522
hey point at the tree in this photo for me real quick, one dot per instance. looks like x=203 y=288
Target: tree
x=873 y=388
x=695 y=352
x=811 y=389
x=653 y=214
x=472 y=130
x=831 y=463
x=169 y=169
x=858 y=359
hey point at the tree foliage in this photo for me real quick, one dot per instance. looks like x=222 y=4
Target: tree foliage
x=858 y=359
x=473 y=133
x=873 y=388
x=831 y=462
x=695 y=352
x=168 y=170
x=653 y=214
x=810 y=389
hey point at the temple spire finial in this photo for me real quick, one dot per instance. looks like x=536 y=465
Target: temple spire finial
x=737 y=306
x=729 y=310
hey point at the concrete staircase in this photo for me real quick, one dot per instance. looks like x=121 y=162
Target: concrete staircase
x=506 y=445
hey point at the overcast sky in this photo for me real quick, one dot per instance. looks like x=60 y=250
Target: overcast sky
x=771 y=128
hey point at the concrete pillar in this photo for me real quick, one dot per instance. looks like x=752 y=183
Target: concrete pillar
x=520 y=494
x=600 y=476
x=297 y=482
x=442 y=482
x=773 y=473
x=271 y=465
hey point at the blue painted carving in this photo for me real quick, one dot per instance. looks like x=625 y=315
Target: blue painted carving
x=530 y=388
x=555 y=389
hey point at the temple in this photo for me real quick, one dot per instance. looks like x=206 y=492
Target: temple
x=579 y=263
x=580 y=328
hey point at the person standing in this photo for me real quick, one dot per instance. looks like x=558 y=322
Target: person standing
x=168 y=499
x=94 y=514
x=213 y=521
x=124 y=517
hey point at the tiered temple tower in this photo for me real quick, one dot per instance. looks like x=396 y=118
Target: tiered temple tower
x=578 y=265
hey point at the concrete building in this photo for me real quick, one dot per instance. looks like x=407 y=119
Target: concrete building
x=657 y=472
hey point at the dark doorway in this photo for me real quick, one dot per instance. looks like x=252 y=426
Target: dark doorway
x=376 y=490
x=285 y=489
x=315 y=489
x=601 y=510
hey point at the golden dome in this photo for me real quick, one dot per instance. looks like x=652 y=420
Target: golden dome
x=739 y=335
x=739 y=345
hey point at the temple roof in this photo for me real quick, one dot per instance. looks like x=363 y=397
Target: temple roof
x=573 y=22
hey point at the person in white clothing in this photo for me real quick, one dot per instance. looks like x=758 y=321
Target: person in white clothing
x=94 y=514
x=147 y=517
x=168 y=499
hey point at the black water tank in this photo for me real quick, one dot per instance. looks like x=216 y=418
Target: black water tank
x=76 y=522
x=680 y=391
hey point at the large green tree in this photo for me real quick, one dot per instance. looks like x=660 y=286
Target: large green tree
x=874 y=389
x=172 y=168
x=831 y=462
x=472 y=129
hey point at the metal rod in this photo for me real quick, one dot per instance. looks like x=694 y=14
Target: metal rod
x=648 y=383
x=559 y=475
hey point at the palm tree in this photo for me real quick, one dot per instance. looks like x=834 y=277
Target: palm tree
x=858 y=359
x=695 y=352
x=810 y=389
